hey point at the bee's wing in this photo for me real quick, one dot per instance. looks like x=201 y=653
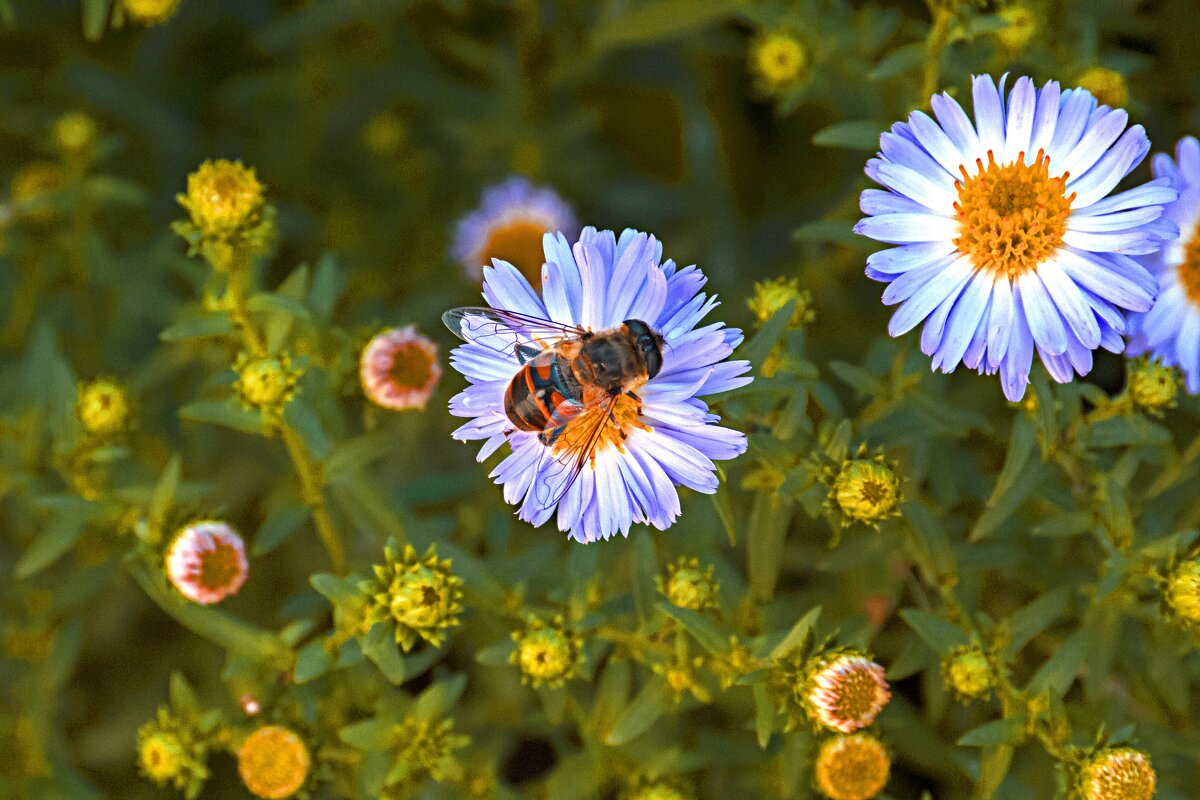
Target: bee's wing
x=565 y=467
x=507 y=332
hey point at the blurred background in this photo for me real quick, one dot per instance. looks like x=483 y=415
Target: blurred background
x=375 y=126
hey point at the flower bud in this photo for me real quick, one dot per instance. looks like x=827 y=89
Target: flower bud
x=169 y=752
x=968 y=673
x=547 y=654
x=75 y=134
x=866 y=490
x=273 y=762
x=1022 y=25
x=419 y=595
x=1182 y=592
x=102 y=407
x=688 y=586
x=770 y=296
x=843 y=690
x=399 y=369
x=1107 y=85
x=149 y=12
x=224 y=198
x=1118 y=774
x=1152 y=386
x=777 y=60
x=206 y=562
x=852 y=767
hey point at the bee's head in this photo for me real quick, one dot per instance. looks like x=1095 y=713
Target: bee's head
x=649 y=342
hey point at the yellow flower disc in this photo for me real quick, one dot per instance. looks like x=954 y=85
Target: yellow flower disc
x=273 y=762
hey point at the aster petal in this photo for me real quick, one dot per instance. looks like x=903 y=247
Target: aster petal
x=957 y=126
x=897 y=260
x=1045 y=120
x=505 y=287
x=1104 y=279
x=1071 y=304
x=1022 y=105
x=1047 y=327
x=1094 y=143
x=907 y=228
x=936 y=142
x=1014 y=368
x=969 y=314
x=1076 y=108
x=929 y=296
x=1111 y=168
x=936 y=196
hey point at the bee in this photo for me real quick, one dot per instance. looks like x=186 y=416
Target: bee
x=565 y=372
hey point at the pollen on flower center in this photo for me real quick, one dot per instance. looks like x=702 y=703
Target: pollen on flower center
x=1189 y=270
x=1011 y=217
x=520 y=244
x=220 y=567
x=411 y=366
x=625 y=416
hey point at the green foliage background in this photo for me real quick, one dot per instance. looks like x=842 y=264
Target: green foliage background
x=1042 y=531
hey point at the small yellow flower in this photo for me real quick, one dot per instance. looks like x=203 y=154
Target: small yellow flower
x=1118 y=774
x=273 y=762
x=688 y=586
x=419 y=595
x=968 y=673
x=1182 y=592
x=547 y=654
x=30 y=185
x=1108 y=86
x=1152 y=386
x=866 y=490
x=777 y=59
x=169 y=751
x=224 y=198
x=149 y=12
x=266 y=383
x=75 y=134
x=852 y=767
x=770 y=296
x=660 y=788
x=1022 y=26
x=102 y=407
x=425 y=747
x=385 y=134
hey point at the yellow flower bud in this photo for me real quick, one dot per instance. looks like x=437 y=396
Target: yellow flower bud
x=149 y=12
x=266 y=383
x=852 y=767
x=1021 y=28
x=273 y=762
x=419 y=595
x=30 y=185
x=968 y=673
x=161 y=756
x=1118 y=774
x=689 y=586
x=75 y=134
x=777 y=59
x=770 y=296
x=1182 y=592
x=547 y=654
x=384 y=134
x=223 y=198
x=102 y=407
x=1152 y=386
x=1108 y=86
x=866 y=490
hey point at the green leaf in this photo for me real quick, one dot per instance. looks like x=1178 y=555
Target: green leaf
x=1021 y=442
x=942 y=635
x=226 y=413
x=720 y=501
x=645 y=565
x=799 y=633
x=163 y=497
x=704 y=630
x=858 y=134
x=1127 y=432
x=1028 y=622
x=196 y=327
x=182 y=696
x=760 y=345
x=95 y=17
x=1071 y=523
x=997 y=732
x=372 y=734
x=659 y=20
x=934 y=550
x=1001 y=508
x=312 y=661
x=770 y=516
x=440 y=698
x=1060 y=671
x=380 y=646
x=323 y=294
x=59 y=536
x=335 y=589
x=352 y=455
x=764 y=715
x=301 y=418
x=279 y=526
x=274 y=303
x=642 y=712
x=828 y=230
x=495 y=655
x=902 y=59
x=993 y=768
x=1047 y=410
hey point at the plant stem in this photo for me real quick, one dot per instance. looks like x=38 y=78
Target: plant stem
x=939 y=37
x=307 y=470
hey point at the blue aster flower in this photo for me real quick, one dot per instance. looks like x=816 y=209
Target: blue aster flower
x=1009 y=242
x=641 y=457
x=1171 y=330
x=509 y=224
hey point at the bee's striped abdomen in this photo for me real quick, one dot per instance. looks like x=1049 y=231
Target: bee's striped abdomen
x=535 y=392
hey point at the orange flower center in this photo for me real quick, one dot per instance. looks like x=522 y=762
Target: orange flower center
x=1012 y=217
x=580 y=431
x=1189 y=270
x=520 y=244
x=411 y=366
x=273 y=762
x=857 y=696
x=219 y=567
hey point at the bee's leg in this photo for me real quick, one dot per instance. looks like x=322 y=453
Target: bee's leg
x=526 y=353
x=632 y=395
